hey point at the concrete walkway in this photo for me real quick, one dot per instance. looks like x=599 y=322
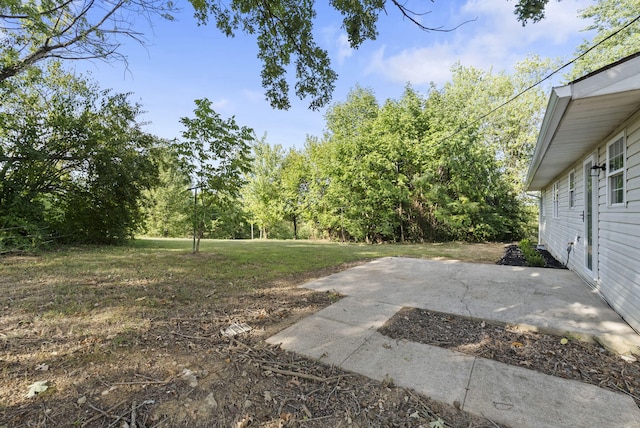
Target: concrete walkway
x=344 y=334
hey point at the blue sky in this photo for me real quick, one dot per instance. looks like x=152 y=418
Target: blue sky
x=183 y=62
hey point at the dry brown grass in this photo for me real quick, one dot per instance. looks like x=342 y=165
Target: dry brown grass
x=111 y=327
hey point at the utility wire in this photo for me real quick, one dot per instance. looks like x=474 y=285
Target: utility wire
x=547 y=77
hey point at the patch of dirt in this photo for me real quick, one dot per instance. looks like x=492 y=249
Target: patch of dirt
x=513 y=257
x=554 y=355
x=176 y=369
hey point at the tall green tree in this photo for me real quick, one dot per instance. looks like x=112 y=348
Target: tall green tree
x=400 y=128
x=168 y=205
x=356 y=194
x=262 y=194
x=469 y=187
x=216 y=153
x=444 y=166
x=73 y=160
x=295 y=185
x=607 y=16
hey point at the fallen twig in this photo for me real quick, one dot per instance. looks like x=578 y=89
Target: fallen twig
x=626 y=392
x=319 y=418
x=102 y=412
x=303 y=375
x=134 y=408
x=146 y=377
x=237 y=342
x=191 y=337
x=494 y=424
x=142 y=382
x=133 y=415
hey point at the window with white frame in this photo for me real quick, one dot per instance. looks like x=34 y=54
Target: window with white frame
x=572 y=189
x=556 y=200
x=616 y=154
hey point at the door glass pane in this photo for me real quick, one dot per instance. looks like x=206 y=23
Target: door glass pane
x=588 y=211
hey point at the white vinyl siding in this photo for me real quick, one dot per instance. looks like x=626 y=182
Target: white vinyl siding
x=557 y=231
x=620 y=230
x=618 y=224
x=616 y=170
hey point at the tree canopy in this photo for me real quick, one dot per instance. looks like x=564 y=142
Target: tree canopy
x=33 y=31
x=607 y=46
x=284 y=33
x=73 y=160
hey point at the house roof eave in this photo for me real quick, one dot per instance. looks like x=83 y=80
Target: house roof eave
x=556 y=108
x=580 y=115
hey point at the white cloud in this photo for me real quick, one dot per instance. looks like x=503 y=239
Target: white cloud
x=220 y=104
x=344 y=48
x=336 y=42
x=253 y=96
x=418 y=66
x=494 y=40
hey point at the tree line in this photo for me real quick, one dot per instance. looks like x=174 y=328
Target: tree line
x=77 y=167
x=411 y=169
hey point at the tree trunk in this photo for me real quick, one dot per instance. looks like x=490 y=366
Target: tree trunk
x=295 y=227
x=401 y=225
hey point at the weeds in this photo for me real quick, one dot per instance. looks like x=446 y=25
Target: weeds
x=531 y=255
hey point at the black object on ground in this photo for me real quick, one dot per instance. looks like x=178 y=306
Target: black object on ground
x=513 y=257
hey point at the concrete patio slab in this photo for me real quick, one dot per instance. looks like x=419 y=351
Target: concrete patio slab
x=360 y=312
x=551 y=300
x=322 y=339
x=345 y=334
x=435 y=372
x=525 y=398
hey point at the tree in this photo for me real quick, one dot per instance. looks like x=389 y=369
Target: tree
x=295 y=185
x=530 y=10
x=354 y=170
x=168 y=205
x=608 y=17
x=284 y=30
x=468 y=187
x=262 y=194
x=215 y=153
x=33 y=31
x=445 y=166
x=73 y=160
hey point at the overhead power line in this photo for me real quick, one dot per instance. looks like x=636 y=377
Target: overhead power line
x=547 y=77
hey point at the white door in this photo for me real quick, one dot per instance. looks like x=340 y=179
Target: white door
x=591 y=217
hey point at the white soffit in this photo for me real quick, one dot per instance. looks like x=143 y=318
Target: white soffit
x=581 y=115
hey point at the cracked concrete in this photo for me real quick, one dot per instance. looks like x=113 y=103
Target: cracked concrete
x=345 y=334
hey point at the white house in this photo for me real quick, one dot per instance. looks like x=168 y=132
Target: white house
x=587 y=166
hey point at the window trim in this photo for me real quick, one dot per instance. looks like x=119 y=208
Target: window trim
x=622 y=170
x=556 y=199
x=571 y=189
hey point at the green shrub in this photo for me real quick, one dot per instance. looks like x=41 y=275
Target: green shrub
x=531 y=255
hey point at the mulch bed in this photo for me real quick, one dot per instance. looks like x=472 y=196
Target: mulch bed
x=513 y=257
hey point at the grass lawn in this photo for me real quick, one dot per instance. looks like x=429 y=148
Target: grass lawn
x=93 y=320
